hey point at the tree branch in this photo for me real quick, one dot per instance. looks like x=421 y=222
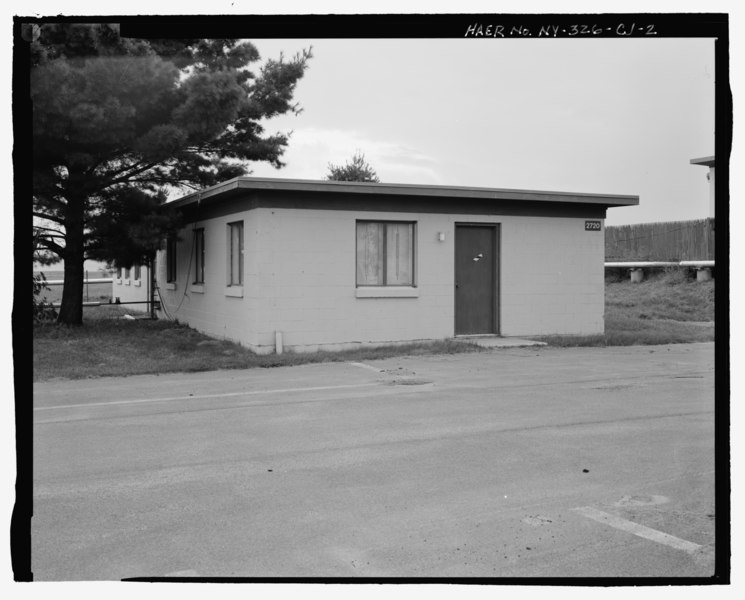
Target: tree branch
x=131 y=175
x=122 y=169
x=53 y=246
x=42 y=236
x=50 y=200
x=54 y=218
x=120 y=175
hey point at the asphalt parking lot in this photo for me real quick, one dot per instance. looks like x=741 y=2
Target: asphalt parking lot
x=519 y=462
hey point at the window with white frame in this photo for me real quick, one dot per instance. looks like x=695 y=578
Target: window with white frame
x=235 y=253
x=171 y=260
x=385 y=253
x=199 y=256
x=137 y=273
x=126 y=272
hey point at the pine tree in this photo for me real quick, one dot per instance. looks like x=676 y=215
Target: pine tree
x=356 y=170
x=118 y=122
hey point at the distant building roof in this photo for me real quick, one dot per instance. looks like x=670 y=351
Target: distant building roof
x=706 y=161
x=239 y=185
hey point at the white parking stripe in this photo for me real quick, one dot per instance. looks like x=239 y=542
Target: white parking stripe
x=198 y=397
x=638 y=530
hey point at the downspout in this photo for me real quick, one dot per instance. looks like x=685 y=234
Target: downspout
x=151 y=287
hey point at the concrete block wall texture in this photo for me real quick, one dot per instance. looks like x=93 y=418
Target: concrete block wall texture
x=132 y=290
x=213 y=307
x=310 y=255
x=552 y=279
x=300 y=279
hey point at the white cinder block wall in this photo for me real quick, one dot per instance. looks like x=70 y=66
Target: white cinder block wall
x=212 y=307
x=299 y=279
x=552 y=279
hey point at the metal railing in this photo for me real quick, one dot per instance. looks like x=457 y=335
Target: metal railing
x=697 y=264
x=636 y=268
x=62 y=281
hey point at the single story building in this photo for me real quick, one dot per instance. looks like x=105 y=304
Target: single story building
x=305 y=265
x=132 y=288
x=708 y=161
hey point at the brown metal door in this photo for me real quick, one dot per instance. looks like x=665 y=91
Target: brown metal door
x=476 y=264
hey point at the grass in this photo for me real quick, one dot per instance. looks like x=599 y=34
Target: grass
x=620 y=331
x=665 y=309
x=669 y=295
x=108 y=345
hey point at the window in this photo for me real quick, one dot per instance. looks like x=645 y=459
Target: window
x=171 y=260
x=235 y=253
x=385 y=253
x=119 y=273
x=199 y=256
x=137 y=272
x=126 y=273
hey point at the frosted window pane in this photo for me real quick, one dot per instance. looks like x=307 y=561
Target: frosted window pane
x=236 y=254
x=370 y=246
x=399 y=262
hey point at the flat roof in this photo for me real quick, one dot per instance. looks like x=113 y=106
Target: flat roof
x=707 y=161
x=236 y=186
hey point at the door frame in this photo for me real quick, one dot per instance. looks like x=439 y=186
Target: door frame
x=496 y=228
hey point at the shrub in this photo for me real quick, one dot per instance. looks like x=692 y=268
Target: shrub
x=42 y=310
x=675 y=275
x=616 y=275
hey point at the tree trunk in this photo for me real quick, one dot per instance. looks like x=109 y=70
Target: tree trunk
x=71 y=310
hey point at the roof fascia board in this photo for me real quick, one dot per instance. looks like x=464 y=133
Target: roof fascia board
x=300 y=185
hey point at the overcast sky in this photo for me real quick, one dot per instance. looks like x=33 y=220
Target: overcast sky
x=617 y=116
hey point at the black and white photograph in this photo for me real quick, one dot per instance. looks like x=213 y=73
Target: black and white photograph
x=385 y=298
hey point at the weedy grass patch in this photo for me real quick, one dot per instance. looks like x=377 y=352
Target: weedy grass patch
x=108 y=344
x=667 y=309
x=672 y=295
x=622 y=331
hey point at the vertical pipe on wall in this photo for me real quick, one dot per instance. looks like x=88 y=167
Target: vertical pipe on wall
x=151 y=286
x=278 y=342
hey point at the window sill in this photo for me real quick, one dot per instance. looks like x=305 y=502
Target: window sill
x=171 y=285
x=118 y=282
x=127 y=282
x=234 y=291
x=387 y=292
x=138 y=283
x=197 y=288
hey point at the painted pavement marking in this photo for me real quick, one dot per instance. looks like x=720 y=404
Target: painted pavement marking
x=638 y=530
x=205 y=396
